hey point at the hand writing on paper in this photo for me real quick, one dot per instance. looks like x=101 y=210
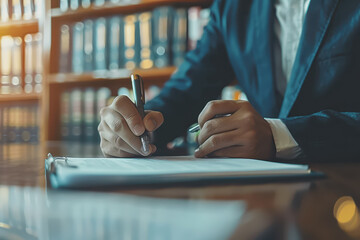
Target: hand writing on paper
x=120 y=128
x=244 y=133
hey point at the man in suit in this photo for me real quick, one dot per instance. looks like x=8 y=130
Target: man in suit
x=298 y=61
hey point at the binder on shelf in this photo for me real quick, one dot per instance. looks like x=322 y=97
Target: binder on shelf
x=85 y=3
x=38 y=65
x=88 y=45
x=74 y=4
x=162 y=36
x=77 y=48
x=16 y=75
x=37 y=10
x=179 y=44
x=64 y=5
x=194 y=26
x=5 y=10
x=99 y=2
x=28 y=9
x=16 y=10
x=115 y=41
x=64 y=57
x=100 y=44
x=6 y=60
x=146 y=53
x=131 y=41
x=34 y=123
x=29 y=63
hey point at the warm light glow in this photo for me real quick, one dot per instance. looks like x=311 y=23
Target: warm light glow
x=347 y=215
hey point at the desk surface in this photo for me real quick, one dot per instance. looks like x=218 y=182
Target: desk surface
x=319 y=209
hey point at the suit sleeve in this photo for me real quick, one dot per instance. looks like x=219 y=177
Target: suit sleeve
x=327 y=135
x=200 y=78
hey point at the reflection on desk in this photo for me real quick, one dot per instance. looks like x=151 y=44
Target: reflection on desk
x=31 y=213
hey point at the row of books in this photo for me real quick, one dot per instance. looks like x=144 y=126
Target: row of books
x=66 y=5
x=11 y=67
x=19 y=9
x=80 y=111
x=19 y=123
x=157 y=38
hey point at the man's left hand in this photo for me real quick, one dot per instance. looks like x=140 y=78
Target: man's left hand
x=243 y=133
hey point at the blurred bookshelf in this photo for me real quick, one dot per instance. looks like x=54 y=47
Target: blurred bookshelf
x=21 y=76
x=92 y=46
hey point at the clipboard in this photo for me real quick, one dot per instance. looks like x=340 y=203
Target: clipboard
x=78 y=173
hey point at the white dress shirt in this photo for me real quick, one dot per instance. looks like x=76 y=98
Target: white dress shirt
x=288 y=24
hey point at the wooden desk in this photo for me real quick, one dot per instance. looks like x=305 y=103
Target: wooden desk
x=296 y=210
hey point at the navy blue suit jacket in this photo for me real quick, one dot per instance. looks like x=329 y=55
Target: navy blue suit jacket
x=321 y=106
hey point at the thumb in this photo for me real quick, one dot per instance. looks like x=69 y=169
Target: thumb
x=153 y=120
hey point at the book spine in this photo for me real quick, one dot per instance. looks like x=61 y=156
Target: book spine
x=145 y=28
x=77 y=48
x=131 y=41
x=90 y=127
x=88 y=45
x=29 y=74
x=34 y=123
x=16 y=76
x=162 y=36
x=114 y=42
x=179 y=43
x=65 y=116
x=76 y=114
x=100 y=44
x=64 y=49
x=11 y=137
x=26 y=129
x=5 y=123
x=1 y=124
x=38 y=68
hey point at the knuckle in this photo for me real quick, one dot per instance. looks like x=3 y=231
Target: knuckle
x=214 y=141
x=118 y=125
x=103 y=111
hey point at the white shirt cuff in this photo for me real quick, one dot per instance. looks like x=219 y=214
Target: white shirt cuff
x=286 y=146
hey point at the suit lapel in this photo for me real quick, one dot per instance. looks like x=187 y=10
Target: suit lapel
x=316 y=23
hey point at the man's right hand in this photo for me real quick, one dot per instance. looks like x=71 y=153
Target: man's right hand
x=120 y=128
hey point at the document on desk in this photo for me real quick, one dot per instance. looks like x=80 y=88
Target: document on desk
x=101 y=172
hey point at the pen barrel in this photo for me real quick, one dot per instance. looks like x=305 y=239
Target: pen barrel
x=138 y=91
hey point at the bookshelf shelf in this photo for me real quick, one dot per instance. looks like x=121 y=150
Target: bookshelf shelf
x=119 y=75
x=127 y=8
x=19 y=27
x=20 y=97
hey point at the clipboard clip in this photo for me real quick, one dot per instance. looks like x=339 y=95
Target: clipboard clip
x=50 y=162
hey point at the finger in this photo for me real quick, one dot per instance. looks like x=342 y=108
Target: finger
x=217 y=107
x=114 y=140
x=111 y=151
x=216 y=126
x=126 y=108
x=219 y=141
x=153 y=120
x=231 y=152
x=119 y=127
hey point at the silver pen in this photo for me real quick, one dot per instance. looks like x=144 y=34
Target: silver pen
x=196 y=127
x=139 y=98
